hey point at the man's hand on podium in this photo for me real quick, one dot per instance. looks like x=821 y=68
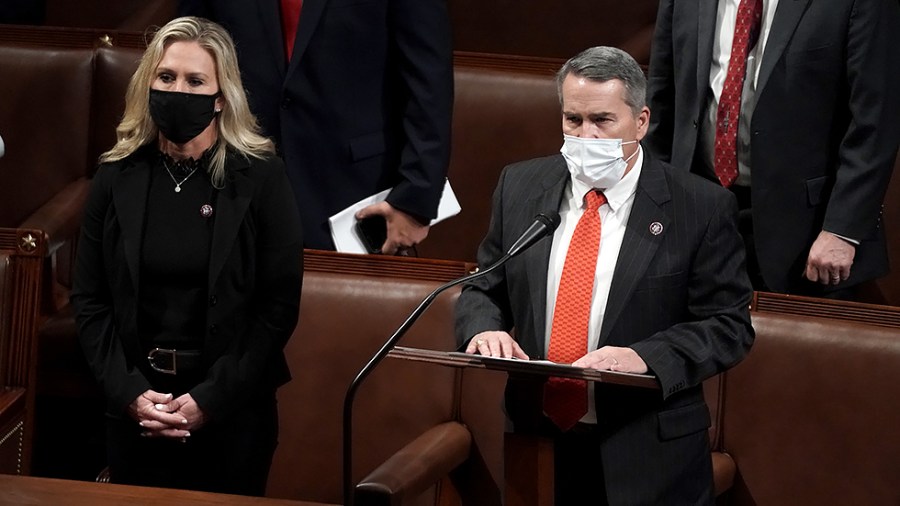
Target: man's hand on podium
x=613 y=358
x=495 y=343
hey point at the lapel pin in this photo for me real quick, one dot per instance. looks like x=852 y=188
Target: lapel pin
x=206 y=210
x=656 y=228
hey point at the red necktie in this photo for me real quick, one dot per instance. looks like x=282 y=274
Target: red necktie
x=746 y=32
x=565 y=399
x=290 y=18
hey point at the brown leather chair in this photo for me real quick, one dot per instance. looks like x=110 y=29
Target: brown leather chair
x=64 y=92
x=405 y=414
x=45 y=122
x=811 y=414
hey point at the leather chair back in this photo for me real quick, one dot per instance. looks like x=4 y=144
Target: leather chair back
x=345 y=318
x=113 y=68
x=44 y=121
x=811 y=414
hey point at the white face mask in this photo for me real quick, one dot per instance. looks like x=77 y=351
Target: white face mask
x=597 y=163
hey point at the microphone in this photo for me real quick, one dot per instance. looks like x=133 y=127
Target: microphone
x=543 y=225
x=2 y=148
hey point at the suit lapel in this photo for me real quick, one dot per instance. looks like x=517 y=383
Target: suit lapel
x=130 y=199
x=787 y=15
x=310 y=14
x=552 y=187
x=639 y=244
x=270 y=12
x=232 y=203
x=706 y=33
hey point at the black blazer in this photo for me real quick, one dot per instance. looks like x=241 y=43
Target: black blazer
x=825 y=127
x=254 y=282
x=363 y=105
x=680 y=299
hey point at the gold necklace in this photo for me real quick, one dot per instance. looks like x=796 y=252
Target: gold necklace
x=177 y=182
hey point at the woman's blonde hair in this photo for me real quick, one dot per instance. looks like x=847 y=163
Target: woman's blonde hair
x=237 y=128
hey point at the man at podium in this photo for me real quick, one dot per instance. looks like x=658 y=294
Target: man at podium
x=645 y=274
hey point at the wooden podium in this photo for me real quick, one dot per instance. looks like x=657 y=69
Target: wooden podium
x=528 y=456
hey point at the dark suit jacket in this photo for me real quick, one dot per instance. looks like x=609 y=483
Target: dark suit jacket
x=254 y=282
x=363 y=105
x=825 y=127
x=680 y=299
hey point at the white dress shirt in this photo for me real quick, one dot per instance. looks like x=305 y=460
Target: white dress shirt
x=613 y=219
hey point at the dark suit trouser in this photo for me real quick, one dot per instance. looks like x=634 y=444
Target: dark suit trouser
x=229 y=456
x=745 y=226
x=578 y=468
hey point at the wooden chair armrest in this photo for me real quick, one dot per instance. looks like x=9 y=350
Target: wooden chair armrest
x=12 y=403
x=724 y=470
x=60 y=217
x=417 y=466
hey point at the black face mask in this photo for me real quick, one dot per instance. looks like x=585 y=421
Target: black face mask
x=181 y=116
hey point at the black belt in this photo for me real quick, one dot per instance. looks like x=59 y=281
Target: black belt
x=169 y=361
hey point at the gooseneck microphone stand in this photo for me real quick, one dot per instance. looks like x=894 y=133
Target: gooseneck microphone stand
x=543 y=224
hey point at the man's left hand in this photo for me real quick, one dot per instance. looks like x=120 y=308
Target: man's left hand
x=403 y=230
x=613 y=358
x=830 y=259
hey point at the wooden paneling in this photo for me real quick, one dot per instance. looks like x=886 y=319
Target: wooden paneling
x=22 y=253
x=869 y=314
x=385 y=266
x=12 y=430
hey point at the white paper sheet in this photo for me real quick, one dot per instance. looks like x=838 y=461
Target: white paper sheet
x=343 y=230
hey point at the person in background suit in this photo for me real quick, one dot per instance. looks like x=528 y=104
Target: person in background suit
x=645 y=274
x=187 y=276
x=359 y=100
x=792 y=105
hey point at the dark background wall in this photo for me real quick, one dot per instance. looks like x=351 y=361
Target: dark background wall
x=547 y=29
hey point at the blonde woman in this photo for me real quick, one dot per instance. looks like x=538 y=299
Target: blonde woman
x=188 y=273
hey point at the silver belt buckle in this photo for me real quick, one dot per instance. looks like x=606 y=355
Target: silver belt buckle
x=163 y=355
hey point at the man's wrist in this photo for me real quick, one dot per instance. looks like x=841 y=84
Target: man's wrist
x=850 y=240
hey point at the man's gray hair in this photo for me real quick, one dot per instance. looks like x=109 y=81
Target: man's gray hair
x=602 y=64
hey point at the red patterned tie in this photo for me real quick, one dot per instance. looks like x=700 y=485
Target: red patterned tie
x=290 y=18
x=746 y=32
x=565 y=400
